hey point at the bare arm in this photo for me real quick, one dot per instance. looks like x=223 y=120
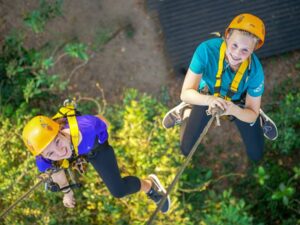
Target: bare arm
x=248 y=114
x=190 y=94
x=61 y=179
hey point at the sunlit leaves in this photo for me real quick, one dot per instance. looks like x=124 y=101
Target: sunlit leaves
x=284 y=192
x=224 y=209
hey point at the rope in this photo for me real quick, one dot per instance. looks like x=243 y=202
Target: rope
x=43 y=177
x=216 y=112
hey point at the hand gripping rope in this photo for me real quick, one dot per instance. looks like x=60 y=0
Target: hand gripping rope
x=215 y=112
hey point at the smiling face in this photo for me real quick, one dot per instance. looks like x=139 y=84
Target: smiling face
x=59 y=148
x=239 y=47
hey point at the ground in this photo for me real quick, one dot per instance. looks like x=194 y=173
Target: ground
x=135 y=58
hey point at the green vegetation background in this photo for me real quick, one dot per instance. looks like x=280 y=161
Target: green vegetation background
x=267 y=193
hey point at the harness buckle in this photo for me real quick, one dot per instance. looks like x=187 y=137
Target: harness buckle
x=80 y=165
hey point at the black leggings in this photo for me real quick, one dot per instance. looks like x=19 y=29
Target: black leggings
x=103 y=159
x=252 y=134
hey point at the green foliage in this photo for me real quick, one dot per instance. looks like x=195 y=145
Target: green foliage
x=283 y=193
x=77 y=50
x=25 y=84
x=23 y=75
x=142 y=147
x=288 y=120
x=271 y=187
x=225 y=209
x=286 y=115
x=261 y=175
x=37 y=19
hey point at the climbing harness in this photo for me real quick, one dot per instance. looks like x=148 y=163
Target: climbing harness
x=80 y=165
x=68 y=110
x=216 y=113
x=237 y=78
x=76 y=162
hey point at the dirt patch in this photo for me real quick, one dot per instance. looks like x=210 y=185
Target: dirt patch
x=127 y=61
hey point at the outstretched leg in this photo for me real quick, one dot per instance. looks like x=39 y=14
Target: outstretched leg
x=105 y=163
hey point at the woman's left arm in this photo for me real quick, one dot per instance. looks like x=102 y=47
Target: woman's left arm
x=248 y=114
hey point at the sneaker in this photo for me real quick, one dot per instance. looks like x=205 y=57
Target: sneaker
x=268 y=126
x=174 y=116
x=157 y=192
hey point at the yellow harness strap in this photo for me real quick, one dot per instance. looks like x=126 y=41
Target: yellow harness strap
x=237 y=78
x=69 y=112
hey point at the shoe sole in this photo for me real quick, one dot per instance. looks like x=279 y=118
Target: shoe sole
x=269 y=119
x=161 y=188
x=171 y=111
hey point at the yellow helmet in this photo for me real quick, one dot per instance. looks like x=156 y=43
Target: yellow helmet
x=38 y=133
x=251 y=24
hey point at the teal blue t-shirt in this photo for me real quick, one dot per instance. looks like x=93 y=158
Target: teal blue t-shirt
x=205 y=61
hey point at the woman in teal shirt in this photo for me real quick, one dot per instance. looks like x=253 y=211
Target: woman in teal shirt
x=235 y=81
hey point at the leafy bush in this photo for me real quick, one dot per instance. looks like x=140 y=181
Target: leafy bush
x=272 y=187
x=288 y=120
x=25 y=73
x=37 y=19
x=225 y=209
x=142 y=147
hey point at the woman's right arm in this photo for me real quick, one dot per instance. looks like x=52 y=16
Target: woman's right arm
x=61 y=179
x=191 y=95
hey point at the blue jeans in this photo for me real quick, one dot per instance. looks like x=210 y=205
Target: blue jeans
x=192 y=127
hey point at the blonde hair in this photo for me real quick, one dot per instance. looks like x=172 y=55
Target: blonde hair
x=246 y=33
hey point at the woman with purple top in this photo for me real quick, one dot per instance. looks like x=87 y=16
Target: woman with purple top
x=50 y=141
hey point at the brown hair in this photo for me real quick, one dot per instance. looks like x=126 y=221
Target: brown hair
x=62 y=122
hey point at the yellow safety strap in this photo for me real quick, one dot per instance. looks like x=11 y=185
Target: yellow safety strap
x=237 y=78
x=69 y=112
x=220 y=69
x=65 y=163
